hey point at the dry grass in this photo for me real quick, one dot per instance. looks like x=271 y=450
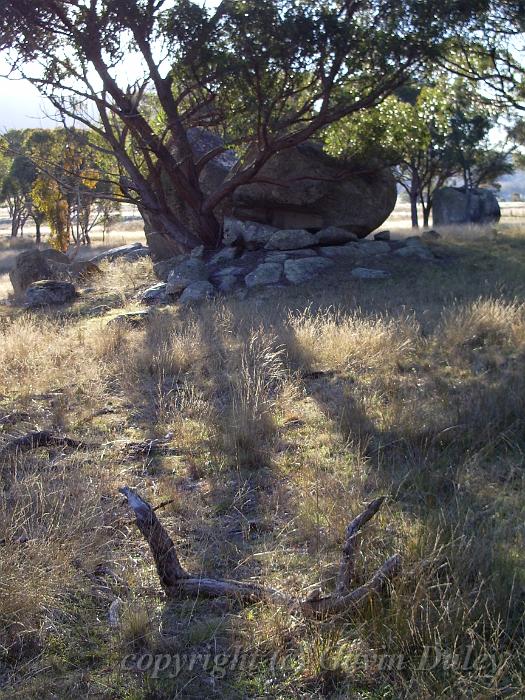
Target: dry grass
x=284 y=414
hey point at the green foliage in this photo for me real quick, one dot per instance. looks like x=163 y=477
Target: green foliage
x=265 y=74
x=56 y=175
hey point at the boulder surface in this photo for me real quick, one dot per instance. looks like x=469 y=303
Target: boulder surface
x=306 y=188
x=452 y=205
x=49 y=293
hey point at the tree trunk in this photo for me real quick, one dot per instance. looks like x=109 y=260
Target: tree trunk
x=414 y=197
x=38 y=234
x=15 y=223
x=413 y=209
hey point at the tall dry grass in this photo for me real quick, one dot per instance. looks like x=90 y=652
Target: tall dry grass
x=282 y=420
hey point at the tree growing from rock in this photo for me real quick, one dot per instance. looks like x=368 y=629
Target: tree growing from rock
x=265 y=75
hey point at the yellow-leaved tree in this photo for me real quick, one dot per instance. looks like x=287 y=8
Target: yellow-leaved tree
x=49 y=199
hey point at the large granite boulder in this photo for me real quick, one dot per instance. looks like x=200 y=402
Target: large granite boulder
x=311 y=190
x=33 y=265
x=454 y=205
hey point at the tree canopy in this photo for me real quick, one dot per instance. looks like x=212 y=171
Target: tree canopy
x=265 y=74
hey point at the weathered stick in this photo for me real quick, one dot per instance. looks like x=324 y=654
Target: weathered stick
x=351 y=546
x=177 y=582
x=37 y=438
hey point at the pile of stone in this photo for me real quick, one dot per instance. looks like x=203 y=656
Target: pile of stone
x=60 y=273
x=47 y=265
x=258 y=255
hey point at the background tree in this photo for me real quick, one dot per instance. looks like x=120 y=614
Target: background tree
x=430 y=134
x=57 y=174
x=265 y=74
x=16 y=192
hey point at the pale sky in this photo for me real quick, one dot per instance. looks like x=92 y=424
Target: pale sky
x=22 y=106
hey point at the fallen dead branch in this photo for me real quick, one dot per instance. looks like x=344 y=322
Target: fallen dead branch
x=36 y=439
x=177 y=582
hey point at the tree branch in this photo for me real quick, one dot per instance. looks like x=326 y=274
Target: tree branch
x=177 y=582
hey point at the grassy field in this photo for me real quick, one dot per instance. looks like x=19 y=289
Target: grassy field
x=282 y=415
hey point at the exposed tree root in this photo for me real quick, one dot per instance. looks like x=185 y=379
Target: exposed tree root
x=177 y=582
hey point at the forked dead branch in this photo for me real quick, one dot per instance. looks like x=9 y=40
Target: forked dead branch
x=178 y=583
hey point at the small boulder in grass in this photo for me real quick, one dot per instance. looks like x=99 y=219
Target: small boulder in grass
x=382 y=236
x=155 y=294
x=49 y=293
x=134 y=319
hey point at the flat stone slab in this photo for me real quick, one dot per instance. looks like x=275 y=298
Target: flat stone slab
x=365 y=273
x=281 y=256
x=266 y=273
x=414 y=251
x=131 y=251
x=350 y=250
x=334 y=235
x=304 y=269
x=290 y=239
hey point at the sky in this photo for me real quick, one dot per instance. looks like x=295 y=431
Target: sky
x=21 y=106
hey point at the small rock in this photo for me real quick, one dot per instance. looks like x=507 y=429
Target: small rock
x=225 y=271
x=413 y=240
x=266 y=273
x=227 y=283
x=155 y=294
x=365 y=273
x=281 y=256
x=185 y=273
x=430 y=235
x=197 y=291
x=197 y=252
x=290 y=239
x=334 y=235
x=373 y=247
x=130 y=318
x=49 y=293
x=302 y=270
x=224 y=255
x=350 y=250
x=414 y=251
x=250 y=234
x=162 y=268
x=382 y=236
